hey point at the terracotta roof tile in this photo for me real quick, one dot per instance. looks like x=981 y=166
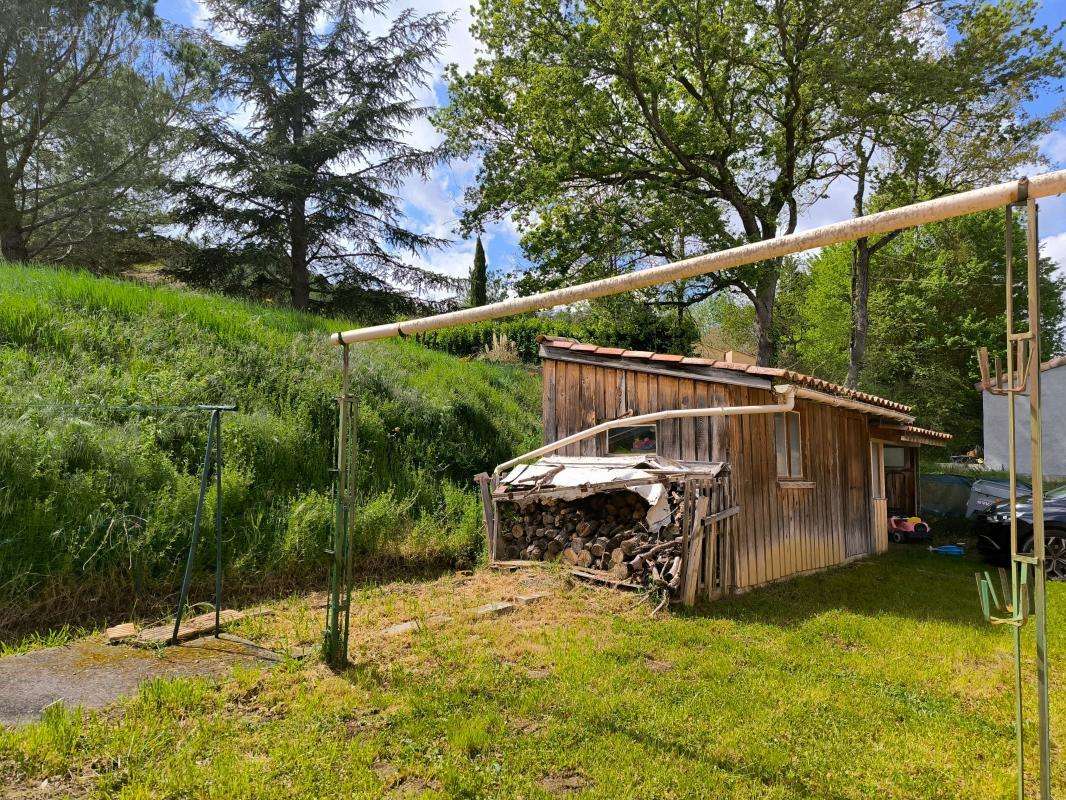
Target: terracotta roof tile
x=642 y=354
x=733 y=365
x=585 y=348
x=772 y=372
x=928 y=433
x=666 y=357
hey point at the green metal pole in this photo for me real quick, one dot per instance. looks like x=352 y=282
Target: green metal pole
x=351 y=473
x=1036 y=439
x=334 y=639
x=205 y=475
x=218 y=523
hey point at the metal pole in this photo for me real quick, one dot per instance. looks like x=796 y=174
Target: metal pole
x=334 y=637
x=349 y=514
x=1036 y=439
x=205 y=474
x=218 y=522
x=1015 y=566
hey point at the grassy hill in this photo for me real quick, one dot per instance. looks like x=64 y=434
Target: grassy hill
x=97 y=493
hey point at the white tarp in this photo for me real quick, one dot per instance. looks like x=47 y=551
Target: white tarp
x=574 y=478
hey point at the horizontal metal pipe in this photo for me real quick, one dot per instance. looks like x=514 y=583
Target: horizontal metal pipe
x=955 y=205
x=854 y=405
x=788 y=404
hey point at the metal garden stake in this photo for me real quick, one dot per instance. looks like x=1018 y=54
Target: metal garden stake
x=338 y=611
x=1023 y=377
x=212 y=462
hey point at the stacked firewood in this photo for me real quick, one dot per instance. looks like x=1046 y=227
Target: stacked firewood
x=607 y=532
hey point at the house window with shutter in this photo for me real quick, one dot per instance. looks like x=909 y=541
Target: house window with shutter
x=788 y=445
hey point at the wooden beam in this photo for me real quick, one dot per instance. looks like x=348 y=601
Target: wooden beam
x=909 y=216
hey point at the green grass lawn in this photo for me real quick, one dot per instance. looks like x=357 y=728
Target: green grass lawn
x=873 y=680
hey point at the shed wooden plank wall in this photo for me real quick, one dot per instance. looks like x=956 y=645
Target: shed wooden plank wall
x=783 y=528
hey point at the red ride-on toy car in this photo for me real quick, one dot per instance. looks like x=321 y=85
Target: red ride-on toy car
x=908 y=529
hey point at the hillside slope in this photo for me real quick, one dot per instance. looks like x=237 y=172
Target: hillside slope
x=94 y=493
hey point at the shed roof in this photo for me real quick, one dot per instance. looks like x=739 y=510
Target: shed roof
x=667 y=359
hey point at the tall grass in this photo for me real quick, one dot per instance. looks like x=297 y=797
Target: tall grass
x=93 y=487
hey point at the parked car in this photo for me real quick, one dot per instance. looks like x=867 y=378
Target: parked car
x=986 y=492
x=993 y=531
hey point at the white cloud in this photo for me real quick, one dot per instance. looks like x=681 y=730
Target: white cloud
x=1054 y=247
x=1054 y=147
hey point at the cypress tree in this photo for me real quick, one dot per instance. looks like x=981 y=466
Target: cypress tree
x=479 y=277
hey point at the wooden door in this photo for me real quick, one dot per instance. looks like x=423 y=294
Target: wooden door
x=878 y=502
x=855 y=487
x=901 y=480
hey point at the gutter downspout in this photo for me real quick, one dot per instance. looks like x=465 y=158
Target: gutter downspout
x=789 y=403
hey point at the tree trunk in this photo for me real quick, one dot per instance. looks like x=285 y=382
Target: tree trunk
x=299 y=277
x=12 y=235
x=13 y=243
x=860 y=272
x=860 y=312
x=765 y=297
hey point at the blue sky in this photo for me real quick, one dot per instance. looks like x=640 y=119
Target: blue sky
x=433 y=205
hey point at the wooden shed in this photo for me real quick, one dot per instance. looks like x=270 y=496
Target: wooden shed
x=812 y=485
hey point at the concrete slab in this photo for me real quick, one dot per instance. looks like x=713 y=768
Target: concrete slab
x=530 y=599
x=493 y=609
x=93 y=674
x=416 y=625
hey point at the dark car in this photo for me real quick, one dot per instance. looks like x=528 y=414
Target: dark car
x=993 y=531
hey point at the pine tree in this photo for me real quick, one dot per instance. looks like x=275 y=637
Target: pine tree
x=301 y=199
x=92 y=96
x=479 y=277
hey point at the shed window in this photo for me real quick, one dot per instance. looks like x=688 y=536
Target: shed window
x=631 y=439
x=788 y=446
x=895 y=457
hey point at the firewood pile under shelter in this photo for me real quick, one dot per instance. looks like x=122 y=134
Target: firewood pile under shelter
x=642 y=522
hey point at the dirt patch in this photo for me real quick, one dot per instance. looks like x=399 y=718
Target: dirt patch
x=412 y=785
x=527 y=725
x=657 y=666
x=564 y=782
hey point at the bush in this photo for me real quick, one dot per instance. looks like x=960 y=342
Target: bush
x=610 y=322
x=522 y=332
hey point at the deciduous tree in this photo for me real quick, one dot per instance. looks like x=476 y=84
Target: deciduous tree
x=730 y=112
x=939 y=106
